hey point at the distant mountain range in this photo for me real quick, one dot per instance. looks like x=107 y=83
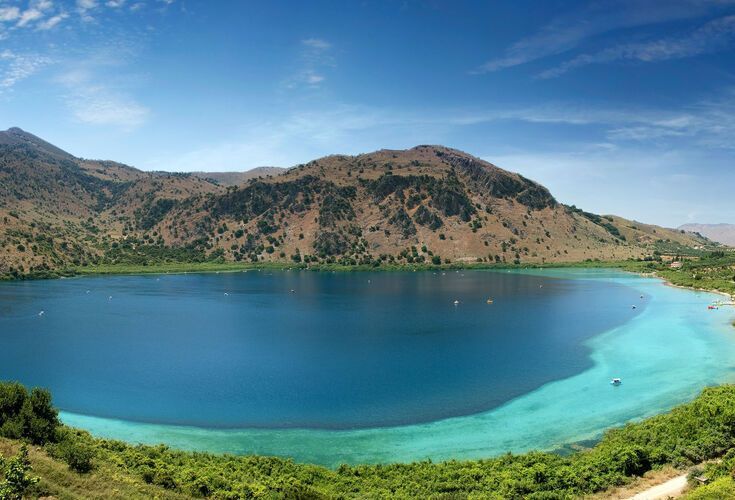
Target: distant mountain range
x=428 y=203
x=235 y=178
x=721 y=233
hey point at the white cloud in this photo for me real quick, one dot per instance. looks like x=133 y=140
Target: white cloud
x=28 y=16
x=51 y=21
x=87 y=4
x=85 y=9
x=9 y=13
x=313 y=78
x=317 y=44
x=98 y=104
x=569 y=30
x=115 y=3
x=314 y=57
x=18 y=67
x=709 y=123
x=713 y=36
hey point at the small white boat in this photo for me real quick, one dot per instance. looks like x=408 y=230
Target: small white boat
x=616 y=381
x=456 y=302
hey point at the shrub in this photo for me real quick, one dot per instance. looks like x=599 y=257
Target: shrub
x=27 y=416
x=73 y=449
x=14 y=475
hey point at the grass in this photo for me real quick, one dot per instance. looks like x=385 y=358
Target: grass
x=105 y=481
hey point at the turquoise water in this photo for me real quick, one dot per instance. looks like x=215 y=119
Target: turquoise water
x=666 y=351
x=343 y=351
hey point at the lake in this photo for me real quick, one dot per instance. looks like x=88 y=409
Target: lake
x=352 y=367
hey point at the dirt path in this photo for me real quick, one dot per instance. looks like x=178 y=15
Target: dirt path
x=672 y=488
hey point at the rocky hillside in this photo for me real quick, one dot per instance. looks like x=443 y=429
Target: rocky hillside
x=721 y=233
x=425 y=204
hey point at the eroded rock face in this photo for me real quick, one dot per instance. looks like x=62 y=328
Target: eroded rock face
x=500 y=183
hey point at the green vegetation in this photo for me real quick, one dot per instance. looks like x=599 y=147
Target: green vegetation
x=605 y=222
x=525 y=191
x=719 y=489
x=426 y=217
x=153 y=212
x=711 y=271
x=24 y=415
x=446 y=194
x=15 y=475
x=701 y=430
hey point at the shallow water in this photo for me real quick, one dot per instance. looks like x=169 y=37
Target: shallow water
x=363 y=367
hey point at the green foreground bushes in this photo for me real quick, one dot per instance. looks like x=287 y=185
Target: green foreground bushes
x=15 y=479
x=689 y=434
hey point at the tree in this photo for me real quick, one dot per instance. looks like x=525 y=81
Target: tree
x=27 y=416
x=76 y=451
x=14 y=475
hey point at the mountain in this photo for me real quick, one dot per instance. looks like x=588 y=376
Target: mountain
x=428 y=203
x=237 y=178
x=15 y=137
x=721 y=233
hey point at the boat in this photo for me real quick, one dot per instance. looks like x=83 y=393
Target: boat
x=616 y=381
x=489 y=301
x=456 y=302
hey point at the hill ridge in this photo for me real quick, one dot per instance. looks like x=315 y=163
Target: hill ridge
x=426 y=204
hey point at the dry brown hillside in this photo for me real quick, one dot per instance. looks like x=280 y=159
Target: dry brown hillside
x=428 y=203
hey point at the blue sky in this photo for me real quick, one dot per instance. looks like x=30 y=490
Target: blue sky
x=624 y=107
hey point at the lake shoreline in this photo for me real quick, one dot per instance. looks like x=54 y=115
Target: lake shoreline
x=454 y=431
x=222 y=267
x=227 y=267
x=596 y=265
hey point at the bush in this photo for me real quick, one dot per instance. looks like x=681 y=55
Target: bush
x=74 y=450
x=27 y=416
x=14 y=475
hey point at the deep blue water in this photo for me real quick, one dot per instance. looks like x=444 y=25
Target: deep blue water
x=344 y=350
